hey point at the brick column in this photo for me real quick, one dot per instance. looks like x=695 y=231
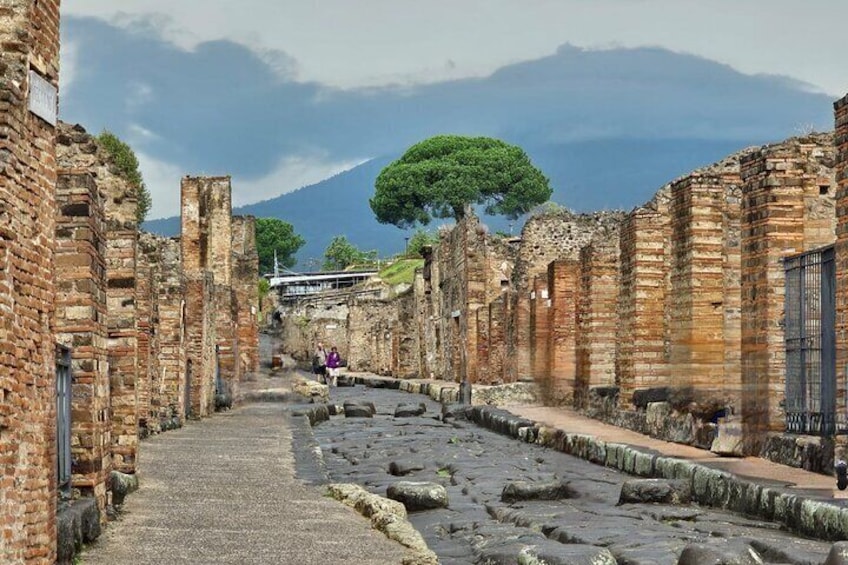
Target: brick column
x=481 y=320
x=148 y=358
x=29 y=33
x=562 y=315
x=539 y=330
x=642 y=353
x=80 y=324
x=840 y=108
x=245 y=282
x=171 y=293
x=496 y=314
x=597 y=315
x=698 y=355
x=523 y=362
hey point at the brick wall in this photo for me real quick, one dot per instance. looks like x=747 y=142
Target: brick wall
x=29 y=34
x=496 y=315
x=245 y=283
x=80 y=324
x=597 y=313
x=787 y=207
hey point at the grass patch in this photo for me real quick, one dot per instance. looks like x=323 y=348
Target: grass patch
x=401 y=271
x=444 y=472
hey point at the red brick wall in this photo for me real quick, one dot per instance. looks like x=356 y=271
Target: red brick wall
x=29 y=35
x=80 y=324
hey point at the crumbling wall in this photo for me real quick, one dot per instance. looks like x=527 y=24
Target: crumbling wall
x=29 y=33
x=787 y=207
x=80 y=324
x=245 y=283
x=545 y=237
x=370 y=326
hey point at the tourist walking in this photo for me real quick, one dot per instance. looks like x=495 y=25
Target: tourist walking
x=334 y=362
x=319 y=362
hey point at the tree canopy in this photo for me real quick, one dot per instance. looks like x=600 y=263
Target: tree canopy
x=341 y=254
x=273 y=234
x=419 y=240
x=440 y=176
x=124 y=158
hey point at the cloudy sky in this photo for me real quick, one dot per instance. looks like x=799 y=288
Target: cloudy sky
x=162 y=73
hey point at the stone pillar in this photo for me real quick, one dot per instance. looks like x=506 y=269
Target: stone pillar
x=597 y=315
x=788 y=208
x=29 y=33
x=539 y=330
x=562 y=329
x=522 y=349
x=642 y=355
x=80 y=324
x=245 y=282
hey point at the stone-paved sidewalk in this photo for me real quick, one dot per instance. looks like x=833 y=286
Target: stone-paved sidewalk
x=223 y=491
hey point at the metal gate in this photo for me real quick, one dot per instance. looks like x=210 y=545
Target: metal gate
x=63 y=416
x=810 y=324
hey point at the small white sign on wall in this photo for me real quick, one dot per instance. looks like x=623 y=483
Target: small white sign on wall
x=331 y=326
x=544 y=293
x=43 y=98
x=533 y=295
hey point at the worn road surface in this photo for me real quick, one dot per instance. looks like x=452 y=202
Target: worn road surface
x=224 y=491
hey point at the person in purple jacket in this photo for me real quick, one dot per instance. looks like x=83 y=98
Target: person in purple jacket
x=334 y=361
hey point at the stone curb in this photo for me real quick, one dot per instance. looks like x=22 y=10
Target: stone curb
x=710 y=487
x=388 y=517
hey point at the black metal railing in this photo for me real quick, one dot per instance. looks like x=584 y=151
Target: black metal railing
x=810 y=334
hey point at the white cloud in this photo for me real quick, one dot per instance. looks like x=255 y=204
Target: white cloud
x=289 y=174
x=163 y=179
x=69 y=57
x=375 y=42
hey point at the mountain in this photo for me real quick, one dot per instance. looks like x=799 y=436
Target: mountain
x=607 y=127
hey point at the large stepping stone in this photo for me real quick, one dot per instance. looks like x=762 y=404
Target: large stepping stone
x=525 y=490
x=122 y=484
x=655 y=491
x=418 y=495
x=733 y=553
x=359 y=409
x=410 y=410
x=401 y=468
